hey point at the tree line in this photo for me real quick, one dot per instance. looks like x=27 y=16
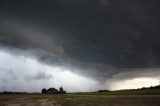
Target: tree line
x=53 y=91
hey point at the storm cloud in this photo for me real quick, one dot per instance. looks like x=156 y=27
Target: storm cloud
x=99 y=39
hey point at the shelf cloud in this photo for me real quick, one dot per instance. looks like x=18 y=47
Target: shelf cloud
x=99 y=39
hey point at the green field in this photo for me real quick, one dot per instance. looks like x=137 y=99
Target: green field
x=114 y=98
x=126 y=92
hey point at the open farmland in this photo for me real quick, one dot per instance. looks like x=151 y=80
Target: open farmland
x=79 y=100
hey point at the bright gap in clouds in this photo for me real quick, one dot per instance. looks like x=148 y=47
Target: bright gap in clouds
x=134 y=83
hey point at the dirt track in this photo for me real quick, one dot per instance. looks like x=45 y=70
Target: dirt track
x=44 y=102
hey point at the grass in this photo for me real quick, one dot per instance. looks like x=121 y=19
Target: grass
x=125 y=92
x=84 y=100
x=114 y=98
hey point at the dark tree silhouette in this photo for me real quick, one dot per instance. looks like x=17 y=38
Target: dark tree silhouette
x=52 y=91
x=44 y=91
x=61 y=91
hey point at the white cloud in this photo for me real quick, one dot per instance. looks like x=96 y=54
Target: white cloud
x=26 y=70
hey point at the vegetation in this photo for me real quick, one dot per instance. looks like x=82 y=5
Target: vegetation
x=79 y=100
x=136 y=97
x=53 y=91
x=44 y=91
x=143 y=91
x=153 y=90
x=61 y=91
x=124 y=92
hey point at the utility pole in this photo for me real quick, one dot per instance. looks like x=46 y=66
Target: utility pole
x=159 y=80
x=90 y=88
x=3 y=89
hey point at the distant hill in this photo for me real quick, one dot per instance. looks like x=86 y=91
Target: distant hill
x=152 y=87
x=153 y=90
x=144 y=88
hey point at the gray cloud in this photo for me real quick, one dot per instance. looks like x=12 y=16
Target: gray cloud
x=38 y=76
x=12 y=38
x=98 y=38
x=7 y=75
x=44 y=48
x=137 y=73
x=12 y=74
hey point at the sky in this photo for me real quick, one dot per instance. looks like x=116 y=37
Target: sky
x=82 y=45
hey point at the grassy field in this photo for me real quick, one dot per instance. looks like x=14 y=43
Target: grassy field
x=117 y=98
x=78 y=100
x=125 y=92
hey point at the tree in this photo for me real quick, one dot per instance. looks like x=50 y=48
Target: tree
x=52 y=91
x=44 y=91
x=61 y=91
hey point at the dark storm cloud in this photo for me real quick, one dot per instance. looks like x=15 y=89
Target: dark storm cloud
x=12 y=38
x=137 y=73
x=101 y=36
x=43 y=48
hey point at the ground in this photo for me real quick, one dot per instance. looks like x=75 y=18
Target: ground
x=79 y=100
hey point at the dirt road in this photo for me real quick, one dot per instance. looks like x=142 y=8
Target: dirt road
x=45 y=102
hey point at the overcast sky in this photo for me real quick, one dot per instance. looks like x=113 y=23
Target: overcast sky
x=81 y=45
